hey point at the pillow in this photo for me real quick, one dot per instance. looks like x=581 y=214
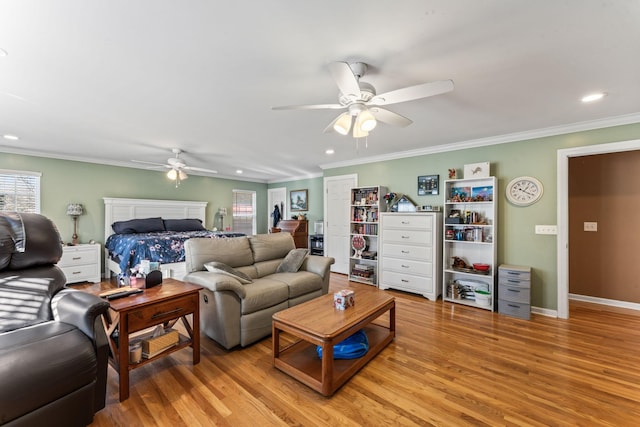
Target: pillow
x=141 y=225
x=222 y=268
x=183 y=225
x=293 y=261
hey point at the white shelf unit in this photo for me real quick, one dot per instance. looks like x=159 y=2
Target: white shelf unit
x=472 y=239
x=365 y=207
x=410 y=252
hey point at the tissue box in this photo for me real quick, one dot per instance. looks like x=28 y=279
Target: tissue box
x=344 y=299
x=152 y=346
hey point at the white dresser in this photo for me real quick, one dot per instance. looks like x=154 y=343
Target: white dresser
x=81 y=263
x=411 y=252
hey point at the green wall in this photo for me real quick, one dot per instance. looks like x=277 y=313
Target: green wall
x=66 y=181
x=315 y=197
x=517 y=242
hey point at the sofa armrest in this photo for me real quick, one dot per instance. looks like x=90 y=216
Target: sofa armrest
x=216 y=282
x=317 y=264
x=79 y=309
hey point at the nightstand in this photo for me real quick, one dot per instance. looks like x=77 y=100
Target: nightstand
x=81 y=263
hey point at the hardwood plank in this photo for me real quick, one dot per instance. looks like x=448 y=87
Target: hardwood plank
x=448 y=365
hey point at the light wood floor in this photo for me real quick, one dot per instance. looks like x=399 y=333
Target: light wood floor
x=449 y=365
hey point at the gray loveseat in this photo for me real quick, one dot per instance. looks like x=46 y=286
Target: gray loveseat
x=236 y=313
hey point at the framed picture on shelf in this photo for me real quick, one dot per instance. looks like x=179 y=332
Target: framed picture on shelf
x=428 y=185
x=298 y=200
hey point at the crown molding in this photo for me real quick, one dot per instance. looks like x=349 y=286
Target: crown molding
x=494 y=140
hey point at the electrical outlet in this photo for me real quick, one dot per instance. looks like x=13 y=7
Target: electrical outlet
x=590 y=226
x=546 y=229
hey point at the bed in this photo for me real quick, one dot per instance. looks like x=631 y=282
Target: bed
x=142 y=233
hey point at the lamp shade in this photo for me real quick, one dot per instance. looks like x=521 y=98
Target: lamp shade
x=343 y=124
x=182 y=175
x=75 y=209
x=365 y=121
x=172 y=174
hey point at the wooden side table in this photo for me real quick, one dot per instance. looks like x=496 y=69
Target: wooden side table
x=164 y=305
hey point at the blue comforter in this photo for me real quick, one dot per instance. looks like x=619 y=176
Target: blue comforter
x=128 y=250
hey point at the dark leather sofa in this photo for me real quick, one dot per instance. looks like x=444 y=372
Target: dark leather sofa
x=53 y=347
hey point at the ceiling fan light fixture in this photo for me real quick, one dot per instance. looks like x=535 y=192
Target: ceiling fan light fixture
x=182 y=175
x=359 y=133
x=172 y=174
x=343 y=124
x=365 y=121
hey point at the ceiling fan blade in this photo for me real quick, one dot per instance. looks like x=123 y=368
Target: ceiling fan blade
x=390 y=117
x=310 y=107
x=412 y=92
x=345 y=79
x=191 y=168
x=142 y=162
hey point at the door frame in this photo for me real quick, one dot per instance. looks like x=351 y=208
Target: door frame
x=563 y=210
x=326 y=179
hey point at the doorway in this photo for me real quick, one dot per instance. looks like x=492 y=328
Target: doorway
x=276 y=196
x=337 y=190
x=563 y=210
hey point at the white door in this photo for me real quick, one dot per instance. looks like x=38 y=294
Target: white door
x=337 y=190
x=276 y=196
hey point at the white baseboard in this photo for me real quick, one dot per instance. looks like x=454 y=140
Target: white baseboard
x=605 y=301
x=544 y=311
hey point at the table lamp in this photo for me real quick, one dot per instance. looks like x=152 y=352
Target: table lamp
x=74 y=210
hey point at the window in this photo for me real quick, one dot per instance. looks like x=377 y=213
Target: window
x=244 y=212
x=19 y=191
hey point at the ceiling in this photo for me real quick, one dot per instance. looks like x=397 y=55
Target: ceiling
x=117 y=80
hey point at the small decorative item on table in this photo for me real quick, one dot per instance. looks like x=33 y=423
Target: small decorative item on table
x=344 y=299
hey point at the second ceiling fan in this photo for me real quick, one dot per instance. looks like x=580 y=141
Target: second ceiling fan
x=363 y=104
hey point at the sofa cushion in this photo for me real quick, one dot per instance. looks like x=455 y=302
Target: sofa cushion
x=263 y=293
x=234 y=252
x=299 y=283
x=220 y=267
x=292 y=262
x=266 y=247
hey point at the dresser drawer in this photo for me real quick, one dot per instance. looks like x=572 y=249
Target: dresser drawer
x=514 y=273
x=514 y=294
x=408 y=236
x=420 y=222
x=155 y=314
x=407 y=252
x=81 y=273
x=514 y=309
x=419 y=268
x=407 y=282
x=78 y=257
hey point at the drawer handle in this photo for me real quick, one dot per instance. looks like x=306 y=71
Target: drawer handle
x=166 y=313
x=75 y=258
x=513 y=273
x=406 y=237
x=404 y=280
x=513 y=281
x=404 y=266
x=513 y=306
x=405 y=252
x=405 y=222
x=513 y=290
x=76 y=272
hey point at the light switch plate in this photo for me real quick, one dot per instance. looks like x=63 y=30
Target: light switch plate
x=546 y=229
x=590 y=226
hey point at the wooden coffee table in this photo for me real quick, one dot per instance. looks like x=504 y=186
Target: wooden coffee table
x=164 y=304
x=317 y=322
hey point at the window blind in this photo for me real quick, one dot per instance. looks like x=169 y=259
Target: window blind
x=19 y=191
x=244 y=212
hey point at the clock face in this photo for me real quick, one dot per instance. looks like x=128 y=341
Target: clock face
x=524 y=191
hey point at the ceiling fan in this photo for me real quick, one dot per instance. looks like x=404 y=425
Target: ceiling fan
x=363 y=104
x=177 y=167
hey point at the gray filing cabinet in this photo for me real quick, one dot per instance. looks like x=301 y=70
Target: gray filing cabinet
x=514 y=291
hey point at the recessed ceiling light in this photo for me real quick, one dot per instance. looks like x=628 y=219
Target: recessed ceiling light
x=3 y=52
x=238 y=171
x=593 y=97
x=330 y=151
x=11 y=137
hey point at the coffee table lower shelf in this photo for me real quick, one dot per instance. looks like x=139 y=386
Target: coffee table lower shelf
x=301 y=361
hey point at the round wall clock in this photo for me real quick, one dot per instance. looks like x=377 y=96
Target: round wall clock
x=524 y=191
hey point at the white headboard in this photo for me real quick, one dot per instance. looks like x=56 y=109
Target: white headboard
x=116 y=209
